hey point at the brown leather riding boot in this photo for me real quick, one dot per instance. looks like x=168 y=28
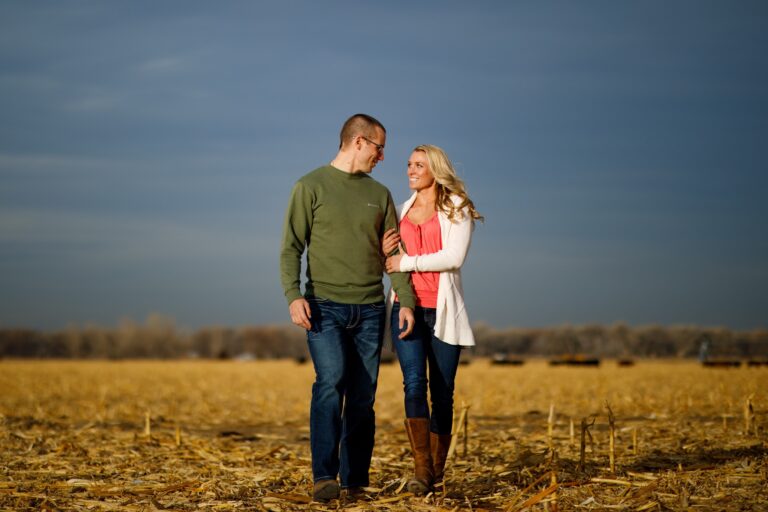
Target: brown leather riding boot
x=439 y=444
x=418 y=435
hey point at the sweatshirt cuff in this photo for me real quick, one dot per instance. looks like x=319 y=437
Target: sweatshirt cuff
x=292 y=295
x=407 y=302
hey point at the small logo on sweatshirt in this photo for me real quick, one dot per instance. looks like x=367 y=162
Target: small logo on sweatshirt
x=373 y=205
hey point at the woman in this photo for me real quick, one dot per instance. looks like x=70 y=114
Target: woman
x=435 y=231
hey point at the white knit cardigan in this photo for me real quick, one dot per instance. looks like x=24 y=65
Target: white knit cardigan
x=451 y=322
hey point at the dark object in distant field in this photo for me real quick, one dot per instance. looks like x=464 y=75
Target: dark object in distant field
x=626 y=362
x=575 y=360
x=757 y=362
x=388 y=358
x=506 y=359
x=301 y=359
x=721 y=363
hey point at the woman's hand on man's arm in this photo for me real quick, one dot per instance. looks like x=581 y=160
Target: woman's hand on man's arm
x=390 y=242
x=393 y=263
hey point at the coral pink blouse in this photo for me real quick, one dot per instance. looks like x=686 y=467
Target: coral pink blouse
x=421 y=239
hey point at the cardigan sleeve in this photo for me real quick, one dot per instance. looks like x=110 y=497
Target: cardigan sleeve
x=450 y=257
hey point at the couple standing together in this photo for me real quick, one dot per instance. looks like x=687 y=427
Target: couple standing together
x=348 y=224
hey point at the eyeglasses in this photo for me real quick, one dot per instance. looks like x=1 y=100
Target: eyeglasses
x=379 y=147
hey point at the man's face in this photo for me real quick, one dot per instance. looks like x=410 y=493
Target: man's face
x=370 y=152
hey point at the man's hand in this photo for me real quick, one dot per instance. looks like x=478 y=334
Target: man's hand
x=406 y=319
x=300 y=313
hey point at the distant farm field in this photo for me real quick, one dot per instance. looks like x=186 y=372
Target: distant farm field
x=209 y=435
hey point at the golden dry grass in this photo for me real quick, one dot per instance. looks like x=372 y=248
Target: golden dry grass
x=234 y=436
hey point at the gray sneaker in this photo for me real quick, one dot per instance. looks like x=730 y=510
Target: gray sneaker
x=325 y=490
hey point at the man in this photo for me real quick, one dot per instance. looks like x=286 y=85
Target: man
x=339 y=214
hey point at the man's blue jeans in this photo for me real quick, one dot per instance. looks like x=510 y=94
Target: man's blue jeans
x=345 y=344
x=421 y=350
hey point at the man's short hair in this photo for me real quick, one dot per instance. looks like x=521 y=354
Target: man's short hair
x=359 y=124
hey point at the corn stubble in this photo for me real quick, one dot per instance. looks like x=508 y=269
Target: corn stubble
x=192 y=435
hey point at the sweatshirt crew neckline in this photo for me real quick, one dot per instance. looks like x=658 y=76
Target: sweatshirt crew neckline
x=355 y=175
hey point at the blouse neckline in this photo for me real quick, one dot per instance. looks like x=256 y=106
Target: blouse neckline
x=431 y=217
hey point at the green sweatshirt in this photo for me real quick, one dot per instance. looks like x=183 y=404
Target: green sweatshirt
x=340 y=218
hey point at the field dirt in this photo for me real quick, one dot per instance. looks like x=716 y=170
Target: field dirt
x=225 y=435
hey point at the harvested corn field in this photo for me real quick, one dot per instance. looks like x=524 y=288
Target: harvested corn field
x=196 y=435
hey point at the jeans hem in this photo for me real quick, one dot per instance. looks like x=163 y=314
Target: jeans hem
x=351 y=486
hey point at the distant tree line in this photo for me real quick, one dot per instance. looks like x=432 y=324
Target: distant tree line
x=159 y=338
x=622 y=341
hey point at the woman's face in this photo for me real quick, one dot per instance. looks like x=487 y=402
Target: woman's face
x=419 y=174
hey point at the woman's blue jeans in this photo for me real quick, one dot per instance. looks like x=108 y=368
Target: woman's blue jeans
x=421 y=352
x=345 y=345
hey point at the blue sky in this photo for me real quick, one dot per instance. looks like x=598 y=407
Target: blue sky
x=617 y=150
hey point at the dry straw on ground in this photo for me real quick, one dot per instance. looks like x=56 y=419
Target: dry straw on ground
x=234 y=436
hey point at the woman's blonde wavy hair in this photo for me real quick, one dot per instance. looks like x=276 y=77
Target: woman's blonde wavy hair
x=448 y=184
